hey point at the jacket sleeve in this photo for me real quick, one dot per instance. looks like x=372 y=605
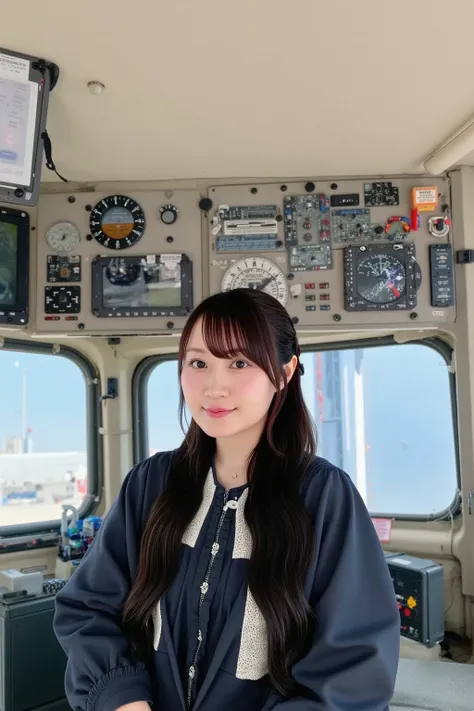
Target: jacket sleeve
x=100 y=672
x=353 y=663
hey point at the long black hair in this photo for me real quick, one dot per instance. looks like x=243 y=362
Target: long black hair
x=255 y=325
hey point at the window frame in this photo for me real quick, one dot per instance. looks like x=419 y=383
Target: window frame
x=144 y=369
x=93 y=441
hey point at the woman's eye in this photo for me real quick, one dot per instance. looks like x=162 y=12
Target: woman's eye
x=240 y=364
x=197 y=364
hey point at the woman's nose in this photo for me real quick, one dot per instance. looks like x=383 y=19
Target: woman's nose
x=216 y=385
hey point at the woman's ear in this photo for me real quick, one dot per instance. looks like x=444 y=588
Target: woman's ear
x=289 y=369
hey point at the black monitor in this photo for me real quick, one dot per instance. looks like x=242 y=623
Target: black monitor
x=25 y=85
x=14 y=262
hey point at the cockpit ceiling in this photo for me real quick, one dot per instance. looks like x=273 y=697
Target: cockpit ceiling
x=254 y=88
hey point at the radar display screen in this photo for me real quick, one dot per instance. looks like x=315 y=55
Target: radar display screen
x=379 y=277
x=8 y=264
x=152 y=285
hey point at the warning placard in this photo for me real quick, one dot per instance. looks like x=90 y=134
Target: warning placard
x=383 y=526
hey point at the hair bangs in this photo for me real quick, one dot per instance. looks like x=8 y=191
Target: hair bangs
x=229 y=335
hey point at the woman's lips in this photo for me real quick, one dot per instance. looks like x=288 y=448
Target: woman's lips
x=217 y=411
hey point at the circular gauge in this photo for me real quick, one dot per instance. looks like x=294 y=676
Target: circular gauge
x=256 y=273
x=381 y=278
x=169 y=214
x=63 y=236
x=117 y=222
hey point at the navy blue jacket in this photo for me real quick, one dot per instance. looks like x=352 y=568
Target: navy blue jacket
x=209 y=635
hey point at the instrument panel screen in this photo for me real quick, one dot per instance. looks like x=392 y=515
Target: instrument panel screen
x=140 y=286
x=149 y=285
x=8 y=263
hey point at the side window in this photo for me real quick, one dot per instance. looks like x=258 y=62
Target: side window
x=43 y=437
x=164 y=427
x=382 y=413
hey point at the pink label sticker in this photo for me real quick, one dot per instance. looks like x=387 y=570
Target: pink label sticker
x=383 y=526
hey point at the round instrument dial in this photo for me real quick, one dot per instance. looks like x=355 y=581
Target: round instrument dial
x=381 y=278
x=63 y=237
x=169 y=214
x=256 y=273
x=117 y=222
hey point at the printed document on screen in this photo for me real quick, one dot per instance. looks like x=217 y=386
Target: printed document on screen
x=18 y=107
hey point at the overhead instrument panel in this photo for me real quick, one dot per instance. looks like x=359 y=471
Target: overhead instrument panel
x=338 y=254
x=118 y=263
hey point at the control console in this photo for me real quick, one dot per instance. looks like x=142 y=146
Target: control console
x=118 y=263
x=352 y=253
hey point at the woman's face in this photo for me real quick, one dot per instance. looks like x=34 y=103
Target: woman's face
x=225 y=397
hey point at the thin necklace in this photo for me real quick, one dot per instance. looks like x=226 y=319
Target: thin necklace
x=234 y=476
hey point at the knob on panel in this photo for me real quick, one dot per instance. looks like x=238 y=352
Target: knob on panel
x=169 y=214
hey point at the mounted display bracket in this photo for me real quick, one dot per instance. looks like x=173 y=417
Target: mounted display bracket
x=25 y=85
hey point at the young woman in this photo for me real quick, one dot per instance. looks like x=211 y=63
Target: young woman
x=240 y=572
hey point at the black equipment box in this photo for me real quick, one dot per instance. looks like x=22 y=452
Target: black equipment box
x=419 y=588
x=32 y=662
